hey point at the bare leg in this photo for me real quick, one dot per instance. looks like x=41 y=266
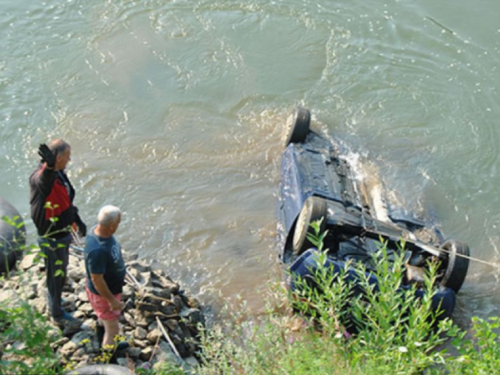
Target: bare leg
x=111 y=329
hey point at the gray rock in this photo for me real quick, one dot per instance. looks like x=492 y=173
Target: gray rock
x=164 y=283
x=128 y=292
x=82 y=338
x=79 y=314
x=168 y=309
x=40 y=304
x=61 y=341
x=137 y=266
x=141 y=343
x=82 y=296
x=86 y=308
x=68 y=349
x=146 y=353
x=41 y=288
x=177 y=301
x=152 y=326
x=192 y=315
x=164 y=293
x=77 y=274
x=129 y=319
x=9 y=298
x=122 y=362
x=191 y=361
x=154 y=335
x=28 y=261
x=78 y=354
x=140 y=333
x=145 y=279
x=134 y=352
x=163 y=354
x=70 y=297
x=88 y=324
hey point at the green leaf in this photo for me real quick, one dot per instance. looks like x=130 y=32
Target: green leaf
x=59 y=273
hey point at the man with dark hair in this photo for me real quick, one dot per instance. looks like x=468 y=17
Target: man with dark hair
x=53 y=213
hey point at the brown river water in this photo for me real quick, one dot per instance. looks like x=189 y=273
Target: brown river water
x=175 y=113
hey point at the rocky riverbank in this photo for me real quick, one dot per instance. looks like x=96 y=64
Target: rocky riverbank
x=160 y=322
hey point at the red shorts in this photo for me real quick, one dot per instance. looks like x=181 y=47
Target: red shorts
x=101 y=306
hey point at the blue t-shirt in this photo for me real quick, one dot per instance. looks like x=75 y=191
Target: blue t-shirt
x=104 y=256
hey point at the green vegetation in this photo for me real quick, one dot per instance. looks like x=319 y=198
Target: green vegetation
x=305 y=332
x=25 y=339
x=397 y=333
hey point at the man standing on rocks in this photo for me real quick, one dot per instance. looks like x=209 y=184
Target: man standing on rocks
x=53 y=213
x=105 y=270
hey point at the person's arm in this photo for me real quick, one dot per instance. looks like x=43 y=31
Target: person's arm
x=82 y=228
x=103 y=290
x=43 y=179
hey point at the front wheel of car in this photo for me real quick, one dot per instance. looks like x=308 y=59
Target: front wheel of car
x=314 y=209
x=297 y=126
x=457 y=266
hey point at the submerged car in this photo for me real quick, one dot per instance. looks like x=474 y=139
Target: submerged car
x=319 y=183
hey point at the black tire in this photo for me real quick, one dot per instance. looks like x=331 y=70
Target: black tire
x=102 y=370
x=12 y=237
x=314 y=209
x=297 y=126
x=457 y=266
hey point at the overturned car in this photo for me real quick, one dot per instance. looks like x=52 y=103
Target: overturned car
x=318 y=183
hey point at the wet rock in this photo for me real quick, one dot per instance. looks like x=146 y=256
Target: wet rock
x=137 y=266
x=177 y=301
x=192 y=315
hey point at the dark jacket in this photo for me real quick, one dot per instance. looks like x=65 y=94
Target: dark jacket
x=51 y=196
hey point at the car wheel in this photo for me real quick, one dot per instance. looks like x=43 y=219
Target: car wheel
x=102 y=369
x=314 y=209
x=457 y=266
x=297 y=126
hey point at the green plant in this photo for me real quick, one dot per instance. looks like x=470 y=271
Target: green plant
x=163 y=369
x=397 y=329
x=394 y=330
x=479 y=354
x=26 y=338
x=108 y=351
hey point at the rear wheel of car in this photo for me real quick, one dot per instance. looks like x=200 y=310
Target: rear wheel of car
x=314 y=209
x=457 y=266
x=297 y=126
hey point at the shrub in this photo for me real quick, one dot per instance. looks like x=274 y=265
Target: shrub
x=26 y=337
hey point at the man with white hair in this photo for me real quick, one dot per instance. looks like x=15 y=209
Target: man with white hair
x=105 y=270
